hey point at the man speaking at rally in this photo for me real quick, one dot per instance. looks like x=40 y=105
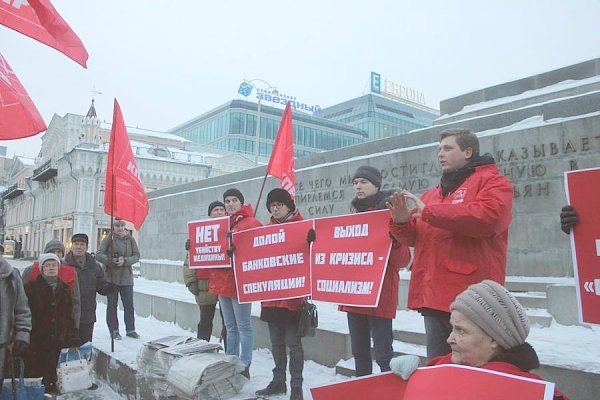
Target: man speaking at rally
x=459 y=231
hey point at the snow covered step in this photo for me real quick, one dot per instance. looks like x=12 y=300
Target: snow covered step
x=535 y=284
x=532 y=299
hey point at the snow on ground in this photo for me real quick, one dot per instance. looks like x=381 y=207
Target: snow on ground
x=575 y=347
x=262 y=362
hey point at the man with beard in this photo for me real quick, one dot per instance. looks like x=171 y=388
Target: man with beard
x=459 y=230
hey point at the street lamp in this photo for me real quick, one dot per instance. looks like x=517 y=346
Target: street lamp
x=246 y=89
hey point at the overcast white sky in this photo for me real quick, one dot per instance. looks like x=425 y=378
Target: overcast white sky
x=169 y=61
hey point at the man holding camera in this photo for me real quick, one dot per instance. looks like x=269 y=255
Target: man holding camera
x=125 y=253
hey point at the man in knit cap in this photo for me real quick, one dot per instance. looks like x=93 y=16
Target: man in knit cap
x=459 y=231
x=66 y=274
x=237 y=316
x=374 y=324
x=489 y=329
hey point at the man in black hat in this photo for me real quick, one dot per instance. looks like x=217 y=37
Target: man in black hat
x=91 y=280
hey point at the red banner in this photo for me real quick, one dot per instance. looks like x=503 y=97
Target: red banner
x=125 y=197
x=349 y=258
x=39 y=20
x=272 y=262
x=281 y=163
x=448 y=382
x=583 y=193
x=18 y=116
x=209 y=243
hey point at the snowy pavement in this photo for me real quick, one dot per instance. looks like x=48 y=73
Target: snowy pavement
x=262 y=362
x=575 y=347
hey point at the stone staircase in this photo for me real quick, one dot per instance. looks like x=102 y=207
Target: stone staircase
x=331 y=346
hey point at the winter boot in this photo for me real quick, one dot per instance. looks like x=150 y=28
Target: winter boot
x=297 y=394
x=272 y=388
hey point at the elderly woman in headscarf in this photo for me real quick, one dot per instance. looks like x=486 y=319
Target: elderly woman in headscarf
x=489 y=329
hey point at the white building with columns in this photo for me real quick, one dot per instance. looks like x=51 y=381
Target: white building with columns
x=62 y=191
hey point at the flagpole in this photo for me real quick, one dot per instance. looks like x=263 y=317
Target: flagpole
x=112 y=251
x=261 y=192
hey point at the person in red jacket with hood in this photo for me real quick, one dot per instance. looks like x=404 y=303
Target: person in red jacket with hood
x=459 y=230
x=238 y=321
x=283 y=315
x=366 y=323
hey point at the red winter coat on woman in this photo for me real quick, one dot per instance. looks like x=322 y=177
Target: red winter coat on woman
x=222 y=280
x=460 y=239
x=399 y=258
x=288 y=304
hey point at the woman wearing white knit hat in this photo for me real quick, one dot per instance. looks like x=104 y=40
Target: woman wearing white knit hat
x=489 y=329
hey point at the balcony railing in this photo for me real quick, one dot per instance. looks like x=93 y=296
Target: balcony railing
x=44 y=172
x=12 y=192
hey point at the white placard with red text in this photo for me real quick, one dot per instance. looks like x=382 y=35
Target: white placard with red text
x=583 y=194
x=209 y=243
x=272 y=262
x=349 y=258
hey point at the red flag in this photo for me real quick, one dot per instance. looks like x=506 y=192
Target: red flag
x=40 y=21
x=281 y=164
x=127 y=199
x=18 y=116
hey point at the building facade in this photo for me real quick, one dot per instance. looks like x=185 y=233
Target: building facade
x=62 y=191
x=233 y=126
x=379 y=116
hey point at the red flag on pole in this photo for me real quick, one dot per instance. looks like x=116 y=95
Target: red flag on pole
x=39 y=20
x=281 y=164
x=18 y=116
x=124 y=197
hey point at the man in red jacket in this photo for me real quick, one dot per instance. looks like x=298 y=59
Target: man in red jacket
x=459 y=230
x=238 y=321
x=283 y=315
x=366 y=323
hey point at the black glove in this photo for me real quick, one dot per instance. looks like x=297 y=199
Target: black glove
x=187 y=245
x=193 y=288
x=230 y=251
x=311 y=236
x=568 y=218
x=19 y=347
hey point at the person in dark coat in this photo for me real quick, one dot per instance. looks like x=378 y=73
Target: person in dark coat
x=91 y=281
x=66 y=273
x=15 y=316
x=53 y=321
x=366 y=323
x=283 y=315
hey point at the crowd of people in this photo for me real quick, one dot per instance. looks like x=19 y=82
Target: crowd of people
x=459 y=232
